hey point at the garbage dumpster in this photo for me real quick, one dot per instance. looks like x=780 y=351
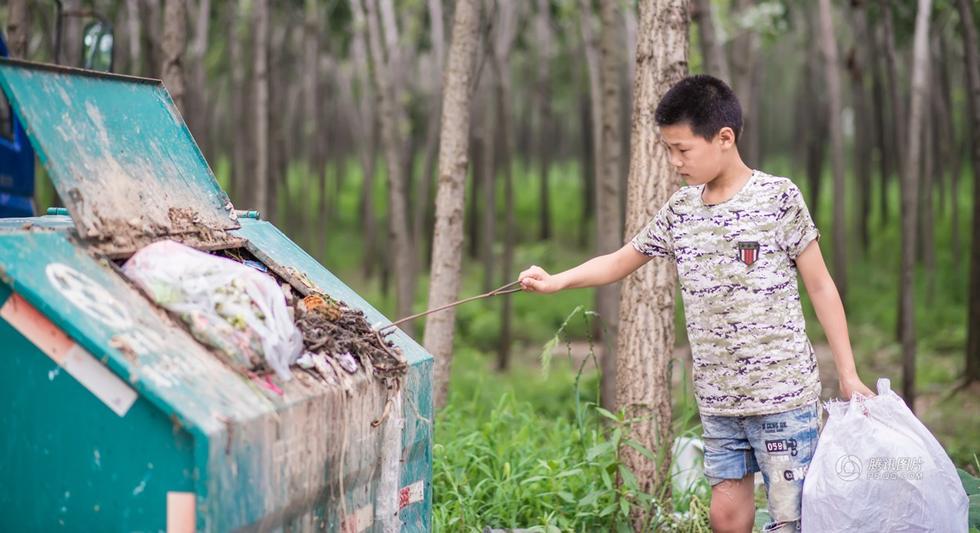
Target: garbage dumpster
x=117 y=417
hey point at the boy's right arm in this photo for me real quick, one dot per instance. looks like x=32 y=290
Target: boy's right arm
x=599 y=270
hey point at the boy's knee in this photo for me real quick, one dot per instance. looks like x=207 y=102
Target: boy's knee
x=732 y=507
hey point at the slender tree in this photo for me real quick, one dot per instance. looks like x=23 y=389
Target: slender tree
x=609 y=228
x=174 y=45
x=447 y=242
x=394 y=127
x=910 y=185
x=646 y=317
x=545 y=52
x=260 y=81
x=502 y=42
x=971 y=44
x=18 y=28
x=863 y=130
x=828 y=45
x=712 y=49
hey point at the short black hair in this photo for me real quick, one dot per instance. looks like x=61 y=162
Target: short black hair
x=704 y=102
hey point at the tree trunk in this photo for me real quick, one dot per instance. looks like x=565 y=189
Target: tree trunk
x=309 y=76
x=591 y=120
x=929 y=165
x=173 y=46
x=152 y=39
x=260 y=79
x=745 y=53
x=863 y=134
x=545 y=55
x=885 y=157
x=420 y=216
x=814 y=124
x=971 y=45
x=394 y=126
x=712 y=49
x=588 y=170
x=488 y=182
x=832 y=78
x=366 y=136
x=609 y=236
x=505 y=31
x=447 y=242
x=134 y=37
x=892 y=83
x=240 y=134
x=197 y=87
x=438 y=31
x=910 y=184
x=951 y=150
x=646 y=317
x=18 y=28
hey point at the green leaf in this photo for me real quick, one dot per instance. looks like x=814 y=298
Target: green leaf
x=970 y=484
x=590 y=498
x=624 y=506
x=644 y=451
x=567 y=473
x=629 y=480
x=606 y=479
x=607 y=414
x=567 y=496
x=597 y=450
x=974 y=511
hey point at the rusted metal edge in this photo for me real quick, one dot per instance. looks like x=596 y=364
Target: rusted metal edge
x=62 y=69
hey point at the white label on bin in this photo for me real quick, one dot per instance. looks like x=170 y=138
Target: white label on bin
x=80 y=364
x=413 y=493
x=180 y=512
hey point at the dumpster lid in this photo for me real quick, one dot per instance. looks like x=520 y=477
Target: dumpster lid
x=120 y=156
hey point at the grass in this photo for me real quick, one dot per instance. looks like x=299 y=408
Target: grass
x=528 y=448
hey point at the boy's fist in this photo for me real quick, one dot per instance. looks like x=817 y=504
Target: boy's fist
x=535 y=279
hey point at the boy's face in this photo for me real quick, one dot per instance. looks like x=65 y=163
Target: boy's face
x=696 y=159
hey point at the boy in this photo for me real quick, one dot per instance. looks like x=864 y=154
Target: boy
x=738 y=237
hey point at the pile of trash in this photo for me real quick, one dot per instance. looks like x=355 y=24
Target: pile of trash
x=255 y=322
x=337 y=337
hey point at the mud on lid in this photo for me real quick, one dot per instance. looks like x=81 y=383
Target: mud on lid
x=120 y=157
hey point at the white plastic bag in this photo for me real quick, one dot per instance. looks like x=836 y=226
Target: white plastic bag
x=877 y=468
x=231 y=307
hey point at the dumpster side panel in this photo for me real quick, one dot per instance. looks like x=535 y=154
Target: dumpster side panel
x=278 y=252
x=69 y=462
x=289 y=469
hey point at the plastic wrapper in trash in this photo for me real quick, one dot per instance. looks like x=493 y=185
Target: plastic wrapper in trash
x=877 y=468
x=233 y=308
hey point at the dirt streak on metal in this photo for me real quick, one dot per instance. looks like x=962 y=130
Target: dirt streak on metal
x=126 y=195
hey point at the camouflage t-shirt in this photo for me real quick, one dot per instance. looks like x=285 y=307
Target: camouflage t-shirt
x=737 y=270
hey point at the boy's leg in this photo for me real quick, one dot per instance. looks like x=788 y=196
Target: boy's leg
x=784 y=444
x=729 y=465
x=733 y=505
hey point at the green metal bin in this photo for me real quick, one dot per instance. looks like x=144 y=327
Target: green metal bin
x=116 y=418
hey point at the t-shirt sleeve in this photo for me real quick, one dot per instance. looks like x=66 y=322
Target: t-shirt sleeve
x=798 y=229
x=654 y=240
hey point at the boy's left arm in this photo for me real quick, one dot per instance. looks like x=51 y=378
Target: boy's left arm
x=830 y=311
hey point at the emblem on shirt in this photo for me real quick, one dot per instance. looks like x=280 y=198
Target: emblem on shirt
x=748 y=252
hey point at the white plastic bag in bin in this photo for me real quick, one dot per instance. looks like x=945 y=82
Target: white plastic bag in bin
x=877 y=468
x=233 y=308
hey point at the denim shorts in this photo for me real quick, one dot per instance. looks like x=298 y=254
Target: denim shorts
x=780 y=445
